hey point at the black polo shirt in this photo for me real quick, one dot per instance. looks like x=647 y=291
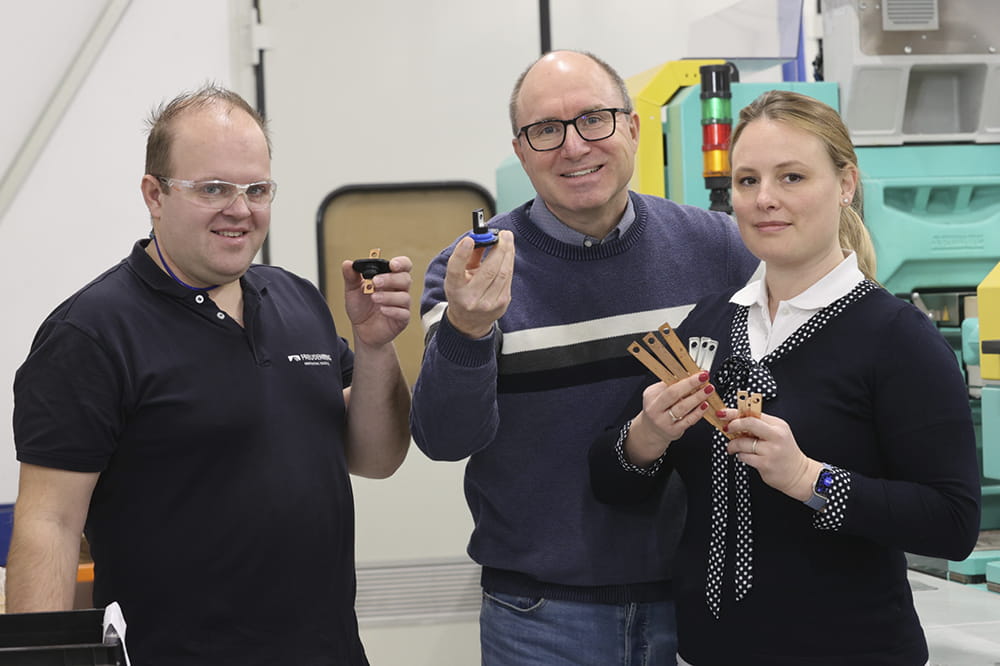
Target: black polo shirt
x=222 y=521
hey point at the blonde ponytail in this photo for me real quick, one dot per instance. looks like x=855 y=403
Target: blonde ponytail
x=854 y=236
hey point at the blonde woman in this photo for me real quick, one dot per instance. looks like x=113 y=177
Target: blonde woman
x=793 y=549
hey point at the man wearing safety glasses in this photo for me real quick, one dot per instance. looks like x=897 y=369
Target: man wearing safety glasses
x=198 y=416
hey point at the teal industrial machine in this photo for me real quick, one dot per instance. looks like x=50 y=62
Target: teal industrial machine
x=920 y=91
x=919 y=87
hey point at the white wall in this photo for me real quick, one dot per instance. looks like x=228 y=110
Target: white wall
x=80 y=210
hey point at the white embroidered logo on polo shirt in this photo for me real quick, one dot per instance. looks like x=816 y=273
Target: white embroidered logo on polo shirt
x=310 y=359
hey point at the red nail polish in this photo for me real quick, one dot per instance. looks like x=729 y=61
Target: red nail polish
x=725 y=428
x=709 y=389
x=704 y=406
x=703 y=377
x=721 y=413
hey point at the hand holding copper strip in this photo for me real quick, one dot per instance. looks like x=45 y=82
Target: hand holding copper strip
x=670 y=370
x=678 y=347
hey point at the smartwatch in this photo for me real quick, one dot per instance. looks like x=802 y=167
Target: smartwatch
x=821 y=490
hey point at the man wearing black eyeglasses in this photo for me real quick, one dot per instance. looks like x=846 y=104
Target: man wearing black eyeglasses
x=526 y=363
x=198 y=416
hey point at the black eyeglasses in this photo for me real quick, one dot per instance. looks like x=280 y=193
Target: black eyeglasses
x=591 y=126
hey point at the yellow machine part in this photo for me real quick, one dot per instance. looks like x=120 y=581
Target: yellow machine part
x=988 y=296
x=650 y=91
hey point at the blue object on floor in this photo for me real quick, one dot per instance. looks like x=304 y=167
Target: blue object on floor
x=6 y=525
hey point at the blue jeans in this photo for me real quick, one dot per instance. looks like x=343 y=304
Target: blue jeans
x=526 y=631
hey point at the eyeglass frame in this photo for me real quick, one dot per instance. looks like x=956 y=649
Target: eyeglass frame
x=241 y=190
x=572 y=121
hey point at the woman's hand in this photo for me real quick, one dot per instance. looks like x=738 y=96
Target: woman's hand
x=667 y=413
x=768 y=445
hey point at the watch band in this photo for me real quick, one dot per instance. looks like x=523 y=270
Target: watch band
x=821 y=489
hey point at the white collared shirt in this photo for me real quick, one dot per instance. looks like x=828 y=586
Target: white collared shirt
x=765 y=335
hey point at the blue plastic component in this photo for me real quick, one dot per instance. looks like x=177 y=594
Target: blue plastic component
x=483 y=240
x=6 y=527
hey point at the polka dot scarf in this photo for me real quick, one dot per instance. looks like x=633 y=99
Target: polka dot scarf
x=741 y=372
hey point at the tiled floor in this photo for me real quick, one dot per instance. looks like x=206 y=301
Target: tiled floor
x=962 y=622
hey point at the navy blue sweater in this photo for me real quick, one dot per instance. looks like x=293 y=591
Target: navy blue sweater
x=526 y=415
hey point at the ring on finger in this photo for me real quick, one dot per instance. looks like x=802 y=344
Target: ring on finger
x=753 y=450
x=675 y=418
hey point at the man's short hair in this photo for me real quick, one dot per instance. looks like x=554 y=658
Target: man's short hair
x=162 y=119
x=611 y=72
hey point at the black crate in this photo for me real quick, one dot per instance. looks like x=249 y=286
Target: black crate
x=64 y=638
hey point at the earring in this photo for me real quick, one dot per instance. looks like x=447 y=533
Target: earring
x=846 y=201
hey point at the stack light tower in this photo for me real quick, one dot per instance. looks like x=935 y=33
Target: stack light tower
x=716 y=129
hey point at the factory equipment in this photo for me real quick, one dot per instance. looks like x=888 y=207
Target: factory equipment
x=988 y=324
x=919 y=87
x=716 y=130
